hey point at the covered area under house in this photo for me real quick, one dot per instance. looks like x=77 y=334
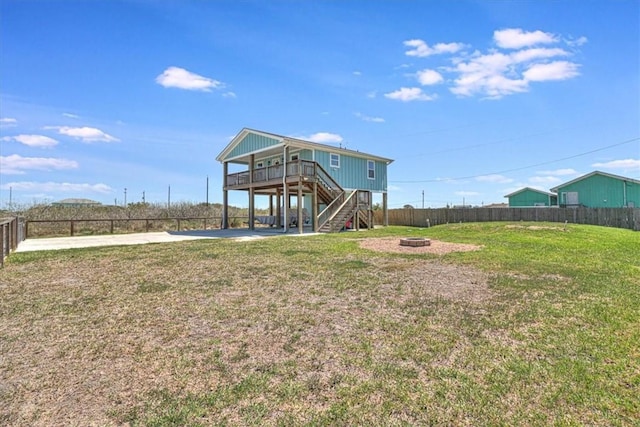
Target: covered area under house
x=312 y=185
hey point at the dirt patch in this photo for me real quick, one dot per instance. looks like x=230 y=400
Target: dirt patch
x=436 y=279
x=392 y=244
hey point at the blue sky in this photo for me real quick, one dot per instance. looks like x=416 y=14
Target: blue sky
x=472 y=99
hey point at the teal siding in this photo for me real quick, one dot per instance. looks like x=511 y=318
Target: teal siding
x=600 y=191
x=306 y=155
x=528 y=198
x=271 y=160
x=352 y=172
x=252 y=143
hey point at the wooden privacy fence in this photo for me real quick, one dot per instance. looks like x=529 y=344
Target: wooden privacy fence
x=11 y=233
x=609 y=217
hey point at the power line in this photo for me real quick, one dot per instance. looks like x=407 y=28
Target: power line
x=524 y=167
x=484 y=144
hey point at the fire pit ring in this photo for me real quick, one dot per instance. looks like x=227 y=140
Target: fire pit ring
x=415 y=242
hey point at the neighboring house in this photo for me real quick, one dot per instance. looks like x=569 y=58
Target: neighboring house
x=331 y=186
x=599 y=190
x=76 y=203
x=530 y=197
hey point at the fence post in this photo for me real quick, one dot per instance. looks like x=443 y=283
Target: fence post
x=2 y=227
x=71 y=222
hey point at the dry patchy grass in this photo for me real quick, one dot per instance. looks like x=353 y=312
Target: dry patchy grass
x=308 y=331
x=89 y=336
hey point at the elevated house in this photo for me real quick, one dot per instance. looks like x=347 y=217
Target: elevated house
x=76 y=203
x=531 y=197
x=332 y=187
x=599 y=190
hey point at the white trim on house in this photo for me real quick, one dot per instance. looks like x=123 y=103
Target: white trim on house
x=292 y=142
x=589 y=175
x=530 y=189
x=331 y=160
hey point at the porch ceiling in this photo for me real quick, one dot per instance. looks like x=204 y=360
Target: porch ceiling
x=245 y=159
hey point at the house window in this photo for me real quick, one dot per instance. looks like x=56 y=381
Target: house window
x=371 y=169
x=334 y=160
x=260 y=164
x=294 y=157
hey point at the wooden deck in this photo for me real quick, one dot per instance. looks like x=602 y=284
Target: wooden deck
x=333 y=206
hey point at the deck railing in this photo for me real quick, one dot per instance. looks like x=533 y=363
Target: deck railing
x=97 y=226
x=303 y=168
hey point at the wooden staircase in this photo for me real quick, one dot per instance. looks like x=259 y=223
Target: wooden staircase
x=342 y=206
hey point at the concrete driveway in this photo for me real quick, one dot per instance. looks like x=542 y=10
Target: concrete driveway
x=55 y=243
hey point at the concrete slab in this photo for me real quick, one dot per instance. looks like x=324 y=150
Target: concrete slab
x=56 y=243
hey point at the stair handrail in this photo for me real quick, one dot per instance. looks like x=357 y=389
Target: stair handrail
x=331 y=211
x=327 y=212
x=327 y=180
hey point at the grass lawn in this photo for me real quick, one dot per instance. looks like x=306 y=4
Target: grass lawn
x=539 y=327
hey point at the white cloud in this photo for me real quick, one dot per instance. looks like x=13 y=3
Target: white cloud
x=8 y=122
x=494 y=178
x=357 y=73
x=85 y=134
x=407 y=94
x=515 y=38
x=229 y=94
x=62 y=187
x=32 y=140
x=323 y=137
x=577 y=42
x=527 y=55
x=429 y=77
x=521 y=58
x=71 y=116
x=489 y=75
x=497 y=74
x=559 y=172
x=369 y=119
x=422 y=49
x=545 y=179
x=18 y=165
x=558 y=70
x=183 y=79
x=372 y=94
x=619 y=164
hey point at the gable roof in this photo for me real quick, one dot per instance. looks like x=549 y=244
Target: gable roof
x=283 y=141
x=78 y=202
x=589 y=175
x=535 y=190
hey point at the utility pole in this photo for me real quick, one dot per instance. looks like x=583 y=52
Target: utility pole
x=143 y=200
x=422 y=199
x=10 y=196
x=169 y=197
x=207 y=190
x=125 y=197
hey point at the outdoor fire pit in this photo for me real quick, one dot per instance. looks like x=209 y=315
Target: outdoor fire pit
x=415 y=241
